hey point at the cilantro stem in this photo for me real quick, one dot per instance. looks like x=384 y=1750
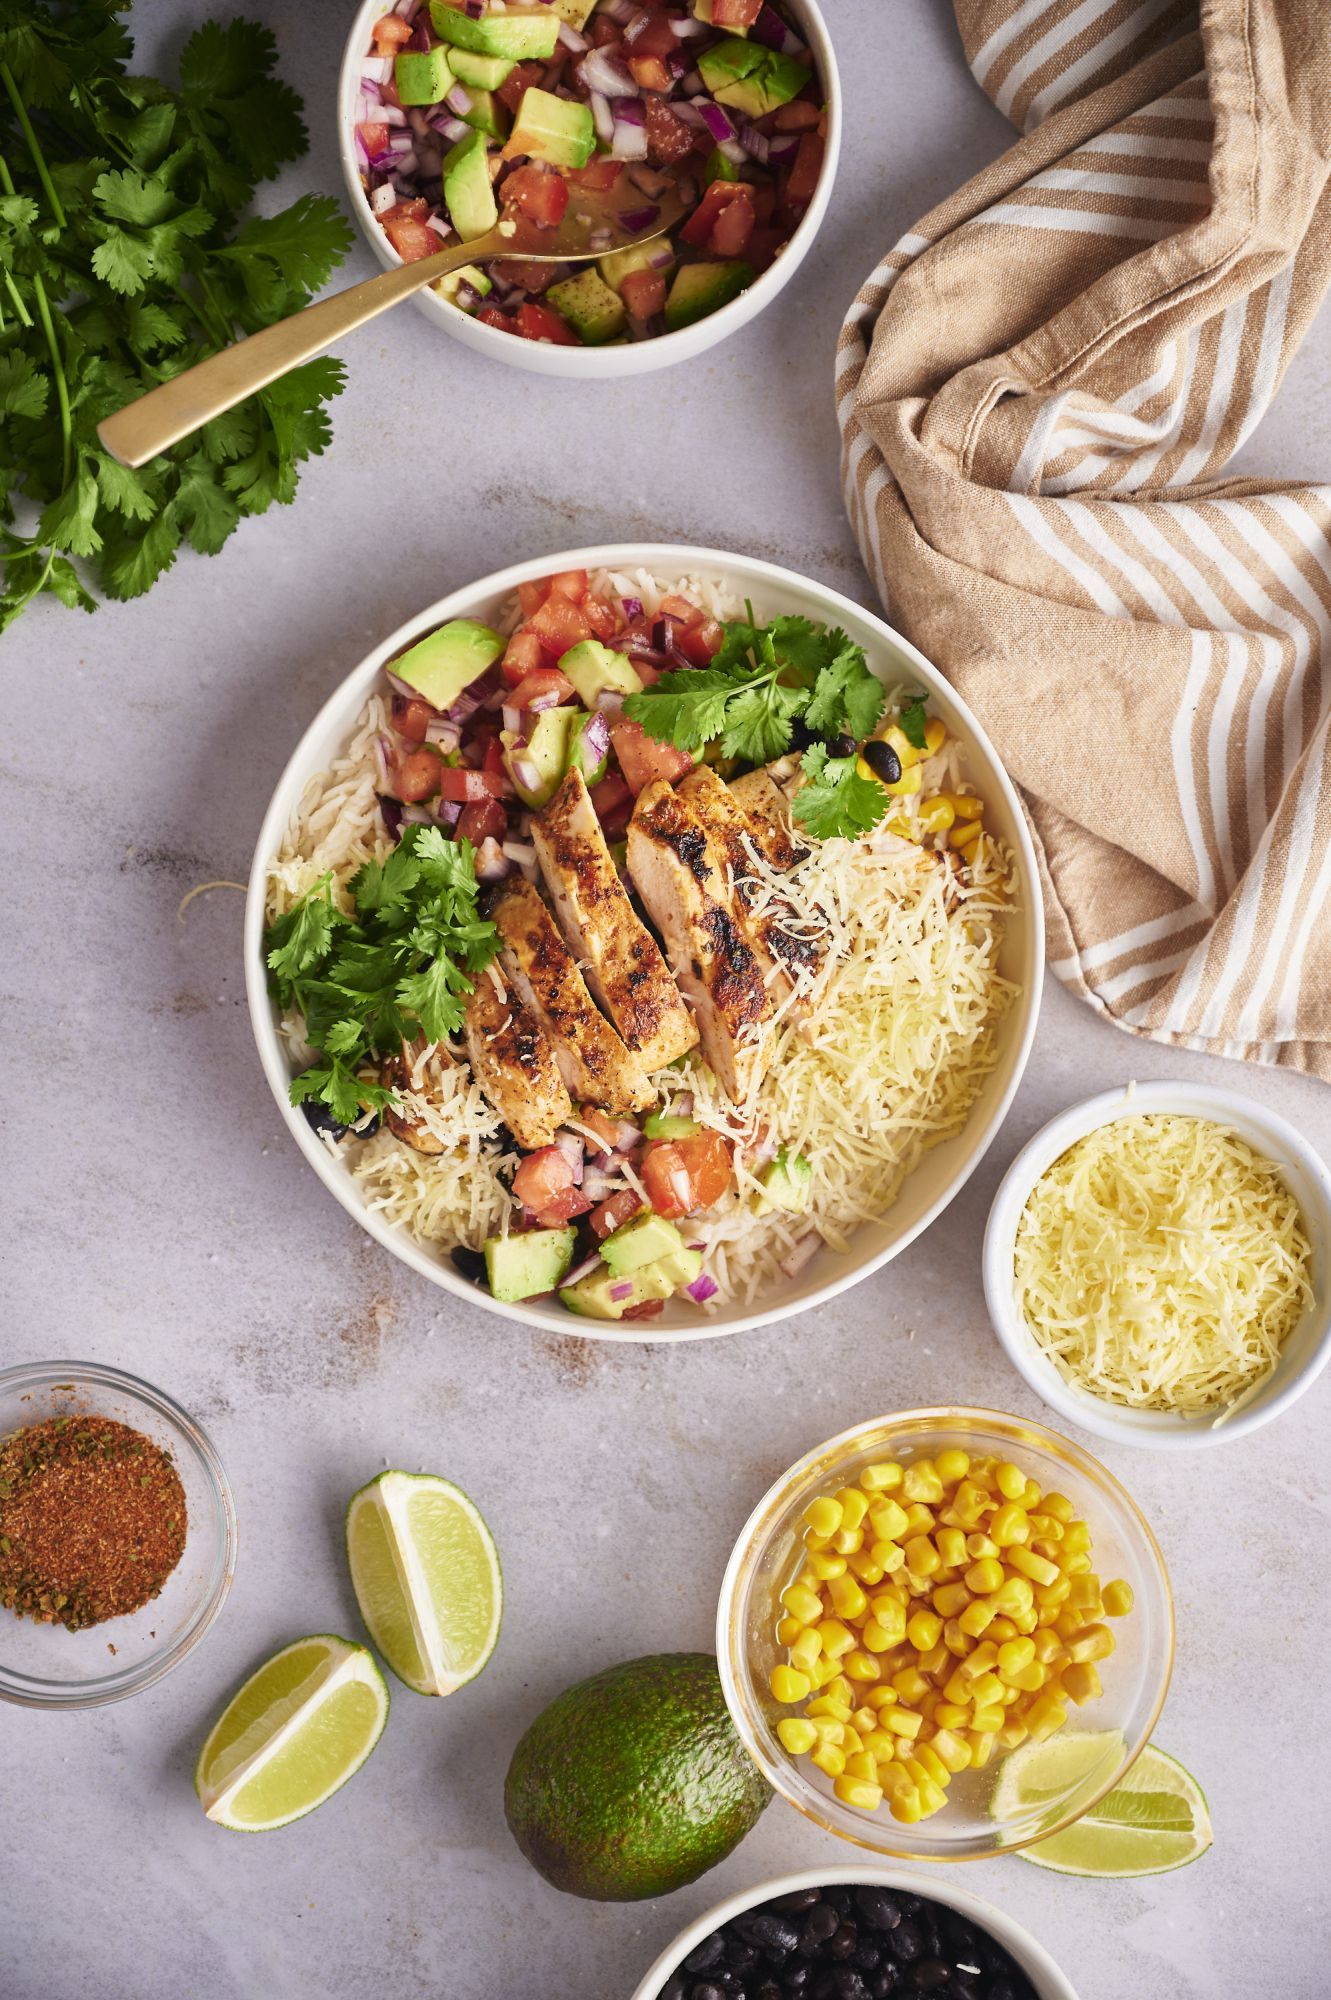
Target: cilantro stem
x=34 y=147
x=43 y=305
x=25 y=317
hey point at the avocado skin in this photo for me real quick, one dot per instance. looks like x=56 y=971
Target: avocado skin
x=634 y=1782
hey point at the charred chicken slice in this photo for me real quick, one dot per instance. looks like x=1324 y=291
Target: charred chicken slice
x=767 y=810
x=616 y=953
x=779 y=939
x=593 y=1061
x=514 y=1063
x=674 y=870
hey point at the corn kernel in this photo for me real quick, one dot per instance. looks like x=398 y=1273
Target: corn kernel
x=910 y=1684
x=1010 y=1480
x=979 y=1661
x=922 y=1558
x=815 y=1542
x=922 y=1483
x=854 y=1504
x=924 y=1630
x=1045 y=1718
x=788 y=1630
x=864 y=1719
x=952 y=1749
x=951 y=1546
x=955 y=1639
x=1028 y=1679
x=1081 y=1682
x=969 y=1502
x=980 y=1546
x=836 y=1638
x=821 y=1567
x=907 y=784
x=802 y=1603
x=1047 y=1644
x=847 y=1598
x=985 y=1577
x=852 y=1743
x=881 y=1697
x=1013 y=1596
x=1012 y=1657
x=796 y=1735
x=986 y=1688
x=902 y=1721
x=936 y=1661
x=907 y=1807
x=966 y=806
x=807 y=1650
x=888 y=1520
x=861 y=1666
x=789 y=1684
x=1010 y=1524
x=988 y=1719
x=829 y=1759
x=1078 y=1564
x=919 y=1520
x=883 y=1477
x=976 y=1617
x=840 y=1689
x=1092 y=1642
x=823 y=1515
x=1048 y=1597
x=889 y=1615
x=980 y=1743
x=824 y=1673
x=846 y=1540
x=1033 y=1566
x=1077 y=1538
x=935 y=736
x=928 y=1757
x=1002 y=1629
x=1084 y=1593
x=864 y=1793
x=1011 y=1734
x=862 y=1565
x=1118 y=1598
x=1045 y=1527
x=828 y=1706
x=964 y=834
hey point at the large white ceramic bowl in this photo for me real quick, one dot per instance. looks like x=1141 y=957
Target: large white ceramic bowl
x=1034 y=1960
x=585 y=364
x=1305 y=1353
x=941 y=1172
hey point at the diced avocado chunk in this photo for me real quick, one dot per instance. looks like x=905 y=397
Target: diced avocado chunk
x=615 y=266
x=591 y=1296
x=663 y=1125
x=591 y=667
x=553 y=129
x=702 y=10
x=544 y=755
x=718 y=166
x=513 y=34
x=519 y=1267
x=479 y=72
x=700 y=289
x=486 y=114
x=582 y=758
x=469 y=274
x=589 y=306
x=681 y=1267
x=645 y=1240
x=440 y=665
x=751 y=78
x=787 y=1182
x=467 y=190
x=422 y=76
x=576 y=12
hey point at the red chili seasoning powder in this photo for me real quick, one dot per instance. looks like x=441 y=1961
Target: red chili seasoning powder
x=92 y=1520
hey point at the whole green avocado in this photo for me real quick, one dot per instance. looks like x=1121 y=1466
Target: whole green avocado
x=634 y=1782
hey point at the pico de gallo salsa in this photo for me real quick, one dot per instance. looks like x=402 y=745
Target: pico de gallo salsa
x=467 y=114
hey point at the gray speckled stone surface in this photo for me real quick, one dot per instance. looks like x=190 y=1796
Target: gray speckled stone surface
x=159 y=1219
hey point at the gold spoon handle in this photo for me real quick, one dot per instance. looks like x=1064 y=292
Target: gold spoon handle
x=175 y=408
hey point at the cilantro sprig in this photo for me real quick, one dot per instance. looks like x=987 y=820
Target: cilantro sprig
x=763 y=679
x=123 y=260
x=400 y=966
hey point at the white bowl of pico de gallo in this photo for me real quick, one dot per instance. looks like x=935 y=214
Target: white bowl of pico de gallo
x=644 y=942
x=454 y=112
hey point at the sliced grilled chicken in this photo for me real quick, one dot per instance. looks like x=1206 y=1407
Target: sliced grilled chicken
x=676 y=873
x=781 y=940
x=593 y=1061
x=616 y=953
x=406 y=1071
x=514 y=1064
x=767 y=808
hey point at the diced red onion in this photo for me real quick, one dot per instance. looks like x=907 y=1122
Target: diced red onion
x=449 y=811
x=663 y=634
x=391 y=114
x=377 y=69
x=702 y=1289
x=383 y=198
x=417 y=120
x=597 y=1184
x=453 y=129
x=599 y=70
x=571 y=1146
x=595 y=739
x=520 y=851
x=634 y=26
x=609 y=701
x=632 y=606
x=687 y=25
x=571 y=39
x=754 y=142
x=635 y=220
x=391 y=813
x=629 y=111
x=717 y=120
x=627 y=1135
x=492 y=864
x=650 y=180
x=802 y=1254
x=771 y=30
x=629 y=141
x=459 y=100
x=420 y=40
x=782 y=149
x=442 y=733
x=619 y=10
x=408 y=9
x=581 y=1271
x=681 y=1186
x=688 y=114
x=603 y=118
x=691 y=83
x=733 y=151
x=621 y=1289
x=383 y=751
x=525 y=774
x=600 y=240
x=513 y=721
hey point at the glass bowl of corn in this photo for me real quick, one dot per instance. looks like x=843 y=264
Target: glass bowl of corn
x=945 y=1634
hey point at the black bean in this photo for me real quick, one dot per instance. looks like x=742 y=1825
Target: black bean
x=798 y=1899
x=469 y=1264
x=741 y=1957
x=880 y=1909
x=707 y=1954
x=822 y=1922
x=883 y=761
x=675 y=1988
x=907 y=1940
x=769 y=1990
x=841 y=746
x=867 y=1956
x=883 y=1983
x=928 y=1974
x=843 y=1944
x=767 y=1929
x=795 y=1977
x=849 y=1984
x=706 y=1989
x=840 y=1899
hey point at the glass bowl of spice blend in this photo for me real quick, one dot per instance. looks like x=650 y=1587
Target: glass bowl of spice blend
x=117 y=1534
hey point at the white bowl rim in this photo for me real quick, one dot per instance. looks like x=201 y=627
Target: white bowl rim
x=641 y=357
x=1152 y=1430
x=684 y=558
x=1051 y=1982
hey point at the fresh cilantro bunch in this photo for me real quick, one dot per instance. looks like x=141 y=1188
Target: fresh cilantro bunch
x=762 y=681
x=123 y=259
x=398 y=968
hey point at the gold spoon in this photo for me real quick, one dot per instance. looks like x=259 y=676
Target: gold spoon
x=148 y=425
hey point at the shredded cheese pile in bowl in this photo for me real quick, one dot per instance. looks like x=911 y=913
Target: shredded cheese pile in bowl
x=1155 y=1264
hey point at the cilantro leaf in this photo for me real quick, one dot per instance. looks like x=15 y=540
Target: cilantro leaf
x=912 y=720
x=847 y=698
x=758 y=722
x=298 y=940
x=836 y=800
x=433 y=997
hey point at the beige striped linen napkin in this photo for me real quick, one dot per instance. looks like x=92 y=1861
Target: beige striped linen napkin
x=1037 y=389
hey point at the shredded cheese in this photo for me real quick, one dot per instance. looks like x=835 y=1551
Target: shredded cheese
x=1162 y=1264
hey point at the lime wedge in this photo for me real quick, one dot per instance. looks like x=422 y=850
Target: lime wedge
x=297 y=1730
x=426 y=1574
x=1154 y=1819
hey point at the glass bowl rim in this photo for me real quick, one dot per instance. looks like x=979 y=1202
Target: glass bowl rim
x=31 y=1691
x=1005 y=1426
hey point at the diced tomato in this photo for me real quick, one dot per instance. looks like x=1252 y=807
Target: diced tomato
x=569 y=583
x=543 y=323
x=411 y=717
x=562 y=1208
x=417 y=206
x=734 y=226
x=522 y=77
x=598 y=175
x=531 y=596
x=645 y=1309
x=710 y=216
x=642 y=758
x=493 y=761
x=558 y=624
x=602 y=1124
x=390 y=33
x=603 y=31
x=669 y=139
x=699 y=642
x=649 y=72
x=411 y=239
x=682 y=609
x=656 y=38
x=523 y=655
x=532 y=273
x=373 y=136
x=461 y=786
x=611 y=800
x=546 y=688
x=542 y=1174
x=800 y=115
x=735 y=13
x=615 y=1212
x=803 y=176
x=539 y=196
x=601 y=616
x=682 y=1176
x=491 y=316
x=483 y=819
x=417 y=776
x=764 y=201
x=766 y=241
x=643 y=292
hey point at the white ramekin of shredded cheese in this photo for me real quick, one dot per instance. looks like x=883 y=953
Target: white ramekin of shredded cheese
x=1156 y=1265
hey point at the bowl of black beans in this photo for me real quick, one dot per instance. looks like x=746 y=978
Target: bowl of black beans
x=864 y=1934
